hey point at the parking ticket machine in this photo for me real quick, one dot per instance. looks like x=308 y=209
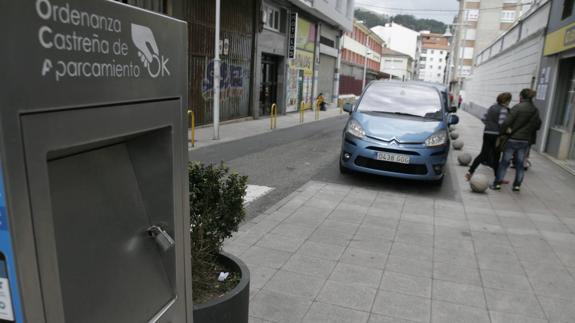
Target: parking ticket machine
x=93 y=164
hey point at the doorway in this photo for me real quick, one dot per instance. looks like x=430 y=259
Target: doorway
x=268 y=85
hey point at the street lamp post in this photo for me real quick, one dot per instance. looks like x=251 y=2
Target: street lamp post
x=217 y=76
x=367 y=53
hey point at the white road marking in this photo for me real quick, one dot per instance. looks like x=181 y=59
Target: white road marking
x=254 y=192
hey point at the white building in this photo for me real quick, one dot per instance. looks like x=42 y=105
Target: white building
x=398 y=38
x=398 y=65
x=432 y=59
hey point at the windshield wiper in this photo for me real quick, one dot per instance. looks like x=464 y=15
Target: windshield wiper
x=401 y=114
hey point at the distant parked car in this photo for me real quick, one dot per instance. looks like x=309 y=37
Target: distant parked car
x=397 y=129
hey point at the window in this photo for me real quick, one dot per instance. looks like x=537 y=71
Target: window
x=440 y=53
x=432 y=51
x=441 y=60
x=439 y=67
x=430 y=66
x=472 y=15
x=424 y=51
x=567 y=9
x=438 y=75
x=272 y=20
x=507 y=16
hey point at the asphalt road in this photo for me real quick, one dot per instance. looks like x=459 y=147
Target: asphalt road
x=288 y=158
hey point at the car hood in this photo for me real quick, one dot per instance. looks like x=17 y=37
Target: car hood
x=404 y=129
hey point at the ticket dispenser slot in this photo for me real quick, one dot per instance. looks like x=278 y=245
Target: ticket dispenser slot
x=94 y=204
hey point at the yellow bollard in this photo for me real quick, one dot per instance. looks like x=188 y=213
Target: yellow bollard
x=192 y=118
x=301 y=111
x=273 y=116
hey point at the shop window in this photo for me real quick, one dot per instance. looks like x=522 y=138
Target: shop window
x=567 y=9
x=273 y=17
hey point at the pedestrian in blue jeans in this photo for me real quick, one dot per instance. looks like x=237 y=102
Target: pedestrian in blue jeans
x=519 y=127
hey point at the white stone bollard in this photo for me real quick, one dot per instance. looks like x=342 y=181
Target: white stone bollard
x=464 y=159
x=454 y=135
x=479 y=183
x=457 y=144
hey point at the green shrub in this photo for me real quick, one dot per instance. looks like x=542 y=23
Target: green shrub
x=216 y=210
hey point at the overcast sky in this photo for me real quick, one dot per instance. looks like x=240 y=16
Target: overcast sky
x=418 y=8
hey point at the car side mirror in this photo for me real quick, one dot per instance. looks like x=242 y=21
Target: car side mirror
x=348 y=107
x=452 y=119
x=452 y=109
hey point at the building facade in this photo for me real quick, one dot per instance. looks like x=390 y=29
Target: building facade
x=271 y=51
x=509 y=64
x=396 y=65
x=398 y=38
x=361 y=51
x=556 y=85
x=432 y=59
x=480 y=22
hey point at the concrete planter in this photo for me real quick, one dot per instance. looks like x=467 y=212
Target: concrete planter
x=233 y=307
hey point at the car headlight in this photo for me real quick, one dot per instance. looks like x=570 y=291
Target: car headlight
x=437 y=139
x=355 y=129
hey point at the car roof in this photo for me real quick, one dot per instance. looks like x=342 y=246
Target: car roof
x=439 y=86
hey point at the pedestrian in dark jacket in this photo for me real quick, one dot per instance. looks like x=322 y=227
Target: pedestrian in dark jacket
x=521 y=126
x=493 y=120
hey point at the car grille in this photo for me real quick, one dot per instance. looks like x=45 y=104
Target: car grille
x=412 y=169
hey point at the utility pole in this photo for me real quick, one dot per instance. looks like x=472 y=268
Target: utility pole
x=217 y=76
x=460 y=50
x=367 y=52
x=335 y=97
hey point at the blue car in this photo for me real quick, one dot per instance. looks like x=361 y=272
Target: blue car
x=397 y=129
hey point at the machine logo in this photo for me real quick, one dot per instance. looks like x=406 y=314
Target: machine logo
x=148 y=51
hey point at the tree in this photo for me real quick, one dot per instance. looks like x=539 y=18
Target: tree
x=372 y=19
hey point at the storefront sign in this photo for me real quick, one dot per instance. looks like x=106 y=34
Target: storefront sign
x=560 y=40
x=292 y=35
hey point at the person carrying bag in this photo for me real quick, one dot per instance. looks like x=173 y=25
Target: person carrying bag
x=493 y=120
x=517 y=132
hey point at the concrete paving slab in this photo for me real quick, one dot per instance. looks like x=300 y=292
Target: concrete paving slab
x=464 y=294
x=403 y=306
x=332 y=252
x=354 y=296
x=406 y=284
x=327 y=313
x=300 y=285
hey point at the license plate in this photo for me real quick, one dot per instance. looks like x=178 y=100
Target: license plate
x=394 y=158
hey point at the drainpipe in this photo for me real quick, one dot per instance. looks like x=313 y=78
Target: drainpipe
x=217 y=77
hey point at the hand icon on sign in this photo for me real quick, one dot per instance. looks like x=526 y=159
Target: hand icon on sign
x=144 y=40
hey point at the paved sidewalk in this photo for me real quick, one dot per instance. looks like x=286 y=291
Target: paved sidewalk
x=243 y=129
x=335 y=253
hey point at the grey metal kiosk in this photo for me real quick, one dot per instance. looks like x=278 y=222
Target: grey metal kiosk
x=94 y=220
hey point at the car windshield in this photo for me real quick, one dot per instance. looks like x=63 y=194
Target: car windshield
x=401 y=99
